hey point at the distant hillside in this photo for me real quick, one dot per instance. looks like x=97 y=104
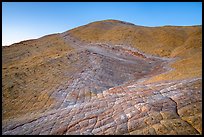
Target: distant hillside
x=184 y=42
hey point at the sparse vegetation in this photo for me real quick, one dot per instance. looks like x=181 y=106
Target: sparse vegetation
x=60 y=85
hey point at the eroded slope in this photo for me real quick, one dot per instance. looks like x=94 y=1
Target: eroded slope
x=64 y=84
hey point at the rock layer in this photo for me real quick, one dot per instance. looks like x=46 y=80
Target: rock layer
x=157 y=108
x=97 y=88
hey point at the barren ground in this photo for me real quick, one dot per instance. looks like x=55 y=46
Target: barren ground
x=66 y=84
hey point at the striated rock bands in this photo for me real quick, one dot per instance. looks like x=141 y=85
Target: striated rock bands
x=60 y=84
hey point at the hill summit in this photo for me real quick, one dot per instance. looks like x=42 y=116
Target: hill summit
x=106 y=77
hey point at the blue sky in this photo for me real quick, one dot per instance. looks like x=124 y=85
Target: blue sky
x=29 y=20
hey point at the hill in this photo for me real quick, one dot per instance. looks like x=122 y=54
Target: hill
x=106 y=77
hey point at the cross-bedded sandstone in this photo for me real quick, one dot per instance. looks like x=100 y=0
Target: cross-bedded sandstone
x=97 y=88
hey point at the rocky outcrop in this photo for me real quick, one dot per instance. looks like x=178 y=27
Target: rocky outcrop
x=64 y=85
